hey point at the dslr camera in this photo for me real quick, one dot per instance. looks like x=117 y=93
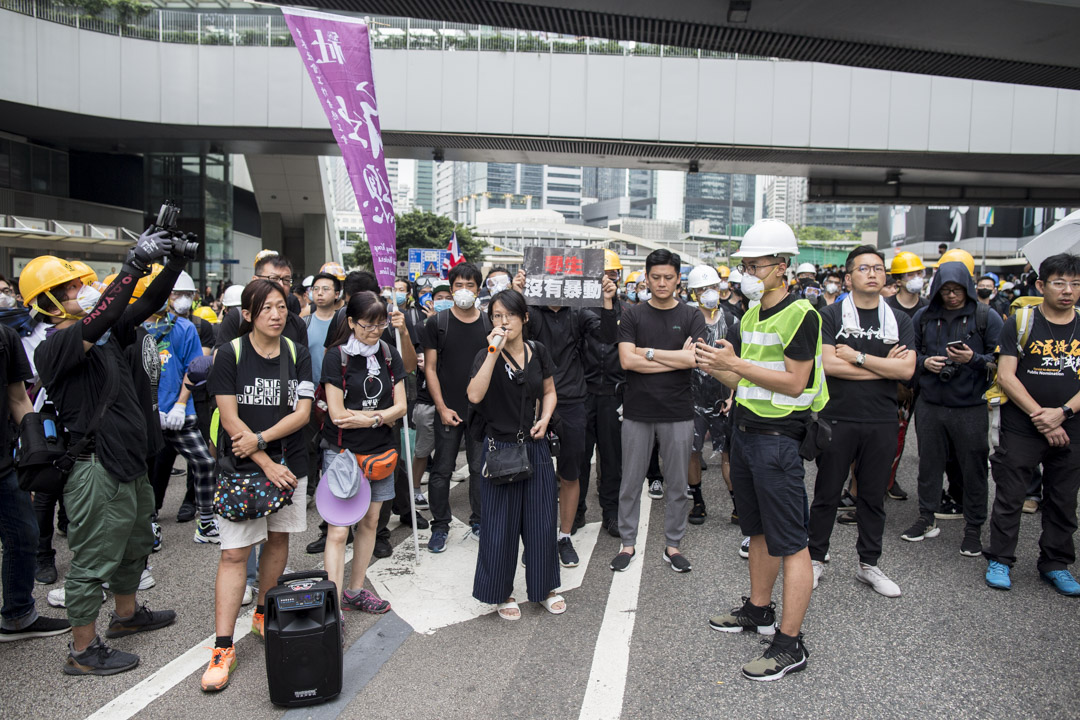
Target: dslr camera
x=949 y=371
x=185 y=244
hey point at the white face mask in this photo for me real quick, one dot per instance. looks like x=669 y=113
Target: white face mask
x=832 y=288
x=710 y=299
x=87 y=298
x=723 y=285
x=182 y=304
x=465 y=299
x=915 y=285
x=7 y=302
x=644 y=296
x=752 y=287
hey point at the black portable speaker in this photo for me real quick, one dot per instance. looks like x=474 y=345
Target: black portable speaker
x=302 y=628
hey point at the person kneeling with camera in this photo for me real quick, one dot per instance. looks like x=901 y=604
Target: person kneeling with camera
x=955 y=336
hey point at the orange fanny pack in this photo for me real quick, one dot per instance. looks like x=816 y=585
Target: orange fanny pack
x=378 y=466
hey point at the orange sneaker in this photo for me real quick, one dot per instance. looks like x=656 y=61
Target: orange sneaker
x=222 y=663
x=257 y=624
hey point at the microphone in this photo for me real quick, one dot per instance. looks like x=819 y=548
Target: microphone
x=496 y=343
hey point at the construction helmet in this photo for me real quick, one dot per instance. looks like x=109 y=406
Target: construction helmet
x=735 y=278
x=905 y=262
x=108 y=279
x=144 y=282
x=206 y=313
x=702 y=276
x=633 y=277
x=958 y=255
x=88 y=275
x=768 y=237
x=333 y=268
x=41 y=275
x=231 y=298
x=723 y=270
x=184 y=283
x=611 y=260
x=263 y=254
x=806 y=268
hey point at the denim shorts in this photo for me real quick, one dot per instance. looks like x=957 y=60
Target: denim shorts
x=768 y=479
x=381 y=490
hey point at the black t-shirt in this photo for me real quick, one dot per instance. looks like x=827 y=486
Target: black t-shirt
x=419 y=336
x=501 y=407
x=145 y=364
x=75 y=380
x=206 y=331
x=462 y=342
x=709 y=393
x=254 y=382
x=872 y=401
x=660 y=397
x=894 y=303
x=803 y=346
x=363 y=391
x=229 y=329
x=733 y=305
x=14 y=368
x=1048 y=371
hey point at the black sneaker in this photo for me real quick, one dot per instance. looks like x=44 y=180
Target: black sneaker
x=317 y=545
x=922 y=528
x=846 y=518
x=971 y=545
x=579 y=522
x=567 y=555
x=144 y=619
x=847 y=502
x=678 y=562
x=949 y=511
x=611 y=525
x=749 y=617
x=734 y=518
x=622 y=561
x=382 y=548
x=896 y=492
x=421 y=521
x=186 y=513
x=778 y=660
x=99 y=659
x=698 y=514
x=42 y=627
x=45 y=573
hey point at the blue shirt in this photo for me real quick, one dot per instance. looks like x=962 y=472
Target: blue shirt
x=178 y=344
x=316 y=336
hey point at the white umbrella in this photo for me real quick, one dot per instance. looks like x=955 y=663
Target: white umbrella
x=1062 y=237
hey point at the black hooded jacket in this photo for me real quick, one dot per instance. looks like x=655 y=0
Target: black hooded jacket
x=603 y=371
x=933 y=330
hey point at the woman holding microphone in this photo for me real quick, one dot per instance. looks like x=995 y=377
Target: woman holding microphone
x=508 y=379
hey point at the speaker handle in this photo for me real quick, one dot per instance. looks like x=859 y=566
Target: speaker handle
x=303 y=575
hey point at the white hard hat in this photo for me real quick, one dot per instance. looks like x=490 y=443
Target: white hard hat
x=735 y=277
x=702 y=276
x=308 y=281
x=184 y=283
x=768 y=237
x=231 y=298
x=806 y=268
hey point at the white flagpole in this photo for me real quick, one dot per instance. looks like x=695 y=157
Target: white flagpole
x=408 y=453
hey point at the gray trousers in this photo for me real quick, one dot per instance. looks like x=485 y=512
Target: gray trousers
x=676 y=439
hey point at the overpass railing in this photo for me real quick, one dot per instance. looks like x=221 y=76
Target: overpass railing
x=264 y=28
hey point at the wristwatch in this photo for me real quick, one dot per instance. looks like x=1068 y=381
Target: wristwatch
x=860 y=359
x=1069 y=412
x=262 y=443
x=650 y=354
x=378 y=421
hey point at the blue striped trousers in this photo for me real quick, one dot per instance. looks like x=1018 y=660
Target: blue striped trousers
x=525 y=510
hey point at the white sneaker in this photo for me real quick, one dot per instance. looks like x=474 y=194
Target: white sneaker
x=656 y=490
x=744 y=548
x=872 y=576
x=57 y=599
x=249 y=595
x=420 y=501
x=819 y=567
x=147 y=580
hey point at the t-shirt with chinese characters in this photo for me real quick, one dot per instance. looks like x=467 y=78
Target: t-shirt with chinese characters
x=666 y=396
x=255 y=382
x=364 y=390
x=863 y=401
x=1048 y=371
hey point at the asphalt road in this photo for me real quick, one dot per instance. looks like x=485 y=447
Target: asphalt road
x=949 y=647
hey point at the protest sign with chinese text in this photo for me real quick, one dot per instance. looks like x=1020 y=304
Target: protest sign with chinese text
x=571 y=277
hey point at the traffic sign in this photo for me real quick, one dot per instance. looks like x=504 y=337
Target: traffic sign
x=986 y=217
x=427 y=262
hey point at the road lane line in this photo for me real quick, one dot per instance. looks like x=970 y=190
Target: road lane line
x=611 y=657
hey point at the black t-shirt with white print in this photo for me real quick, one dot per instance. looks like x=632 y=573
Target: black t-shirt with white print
x=1049 y=371
x=364 y=390
x=501 y=407
x=871 y=401
x=254 y=381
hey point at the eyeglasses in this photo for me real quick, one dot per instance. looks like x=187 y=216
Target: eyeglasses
x=753 y=269
x=871 y=269
x=282 y=279
x=500 y=318
x=323 y=288
x=378 y=326
x=1056 y=284
x=952 y=291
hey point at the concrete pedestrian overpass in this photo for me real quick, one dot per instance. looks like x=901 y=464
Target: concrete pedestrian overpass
x=536 y=98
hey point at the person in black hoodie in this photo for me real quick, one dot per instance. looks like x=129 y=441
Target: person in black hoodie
x=955 y=336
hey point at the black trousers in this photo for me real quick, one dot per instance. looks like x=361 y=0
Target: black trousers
x=1012 y=462
x=45 y=505
x=870 y=446
x=966 y=429
x=604 y=432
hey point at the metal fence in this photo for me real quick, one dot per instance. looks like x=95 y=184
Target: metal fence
x=268 y=29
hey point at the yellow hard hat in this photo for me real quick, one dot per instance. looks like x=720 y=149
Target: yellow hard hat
x=259 y=256
x=906 y=262
x=958 y=255
x=723 y=271
x=108 y=279
x=333 y=268
x=206 y=313
x=144 y=282
x=634 y=276
x=88 y=275
x=42 y=274
x=611 y=260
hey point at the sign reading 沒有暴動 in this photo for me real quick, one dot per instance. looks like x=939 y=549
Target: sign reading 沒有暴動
x=571 y=277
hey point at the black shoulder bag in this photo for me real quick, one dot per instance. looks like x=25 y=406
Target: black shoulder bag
x=42 y=458
x=510 y=464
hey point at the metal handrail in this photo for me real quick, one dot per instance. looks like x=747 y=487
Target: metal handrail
x=267 y=28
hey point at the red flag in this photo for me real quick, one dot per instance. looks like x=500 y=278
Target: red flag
x=455 y=258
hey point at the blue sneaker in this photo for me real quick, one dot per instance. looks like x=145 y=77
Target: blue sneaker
x=437 y=543
x=997 y=576
x=474 y=533
x=1063 y=582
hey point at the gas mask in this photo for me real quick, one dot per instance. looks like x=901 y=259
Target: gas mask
x=915 y=285
x=832 y=288
x=752 y=287
x=465 y=299
x=644 y=296
x=87 y=298
x=182 y=305
x=710 y=299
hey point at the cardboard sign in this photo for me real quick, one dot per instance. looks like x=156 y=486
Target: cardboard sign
x=570 y=277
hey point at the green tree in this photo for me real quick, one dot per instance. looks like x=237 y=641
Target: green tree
x=867 y=224
x=418 y=229
x=812 y=233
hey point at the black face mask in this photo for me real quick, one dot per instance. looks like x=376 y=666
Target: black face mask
x=984 y=293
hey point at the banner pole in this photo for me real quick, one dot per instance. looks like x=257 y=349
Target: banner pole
x=408 y=457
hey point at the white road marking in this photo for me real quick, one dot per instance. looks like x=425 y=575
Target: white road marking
x=611 y=658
